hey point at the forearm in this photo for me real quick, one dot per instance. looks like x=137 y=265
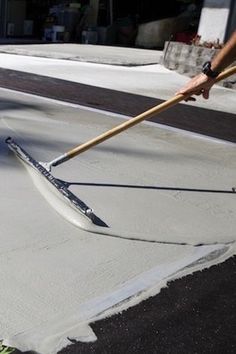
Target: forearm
x=226 y=55
x=202 y=83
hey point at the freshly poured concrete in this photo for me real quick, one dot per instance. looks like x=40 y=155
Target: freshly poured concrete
x=56 y=278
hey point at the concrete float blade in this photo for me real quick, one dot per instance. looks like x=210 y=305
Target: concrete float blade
x=56 y=192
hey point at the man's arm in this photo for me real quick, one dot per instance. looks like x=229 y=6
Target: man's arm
x=201 y=84
x=226 y=55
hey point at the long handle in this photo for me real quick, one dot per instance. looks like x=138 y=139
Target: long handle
x=131 y=122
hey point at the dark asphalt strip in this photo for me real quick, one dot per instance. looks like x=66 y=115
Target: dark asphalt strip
x=204 y=121
x=196 y=314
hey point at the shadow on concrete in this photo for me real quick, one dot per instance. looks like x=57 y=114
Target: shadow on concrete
x=10 y=104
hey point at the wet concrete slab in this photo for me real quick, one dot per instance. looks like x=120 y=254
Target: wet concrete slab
x=71 y=280
x=85 y=275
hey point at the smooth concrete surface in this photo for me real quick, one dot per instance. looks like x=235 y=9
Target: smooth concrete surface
x=87 y=53
x=56 y=278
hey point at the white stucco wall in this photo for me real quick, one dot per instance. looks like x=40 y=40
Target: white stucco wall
x=214 y=20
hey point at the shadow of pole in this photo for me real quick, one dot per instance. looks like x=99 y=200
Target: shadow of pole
x=130 y=186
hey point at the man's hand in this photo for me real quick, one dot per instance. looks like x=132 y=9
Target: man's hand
x=199 y=85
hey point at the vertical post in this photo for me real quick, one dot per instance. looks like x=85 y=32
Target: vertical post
x=232 y=20
x=93 y=13
x=111 y=11
x=3 y=18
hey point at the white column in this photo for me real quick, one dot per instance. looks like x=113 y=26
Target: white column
x=214 y=20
